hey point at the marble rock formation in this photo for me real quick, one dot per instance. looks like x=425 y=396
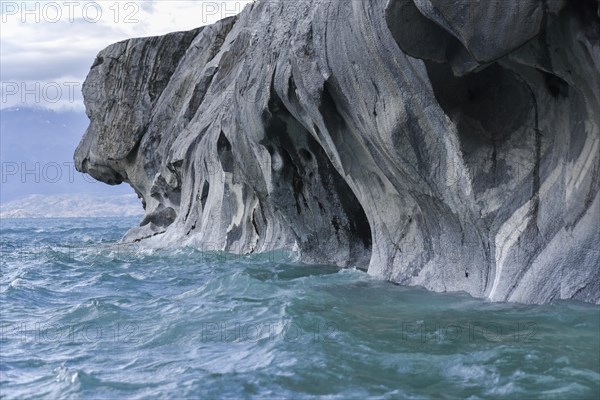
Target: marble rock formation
x=451 y=144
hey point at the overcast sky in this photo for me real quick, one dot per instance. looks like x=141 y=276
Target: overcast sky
x=47 y=47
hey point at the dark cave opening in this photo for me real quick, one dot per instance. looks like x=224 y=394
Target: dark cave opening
x=308 y=183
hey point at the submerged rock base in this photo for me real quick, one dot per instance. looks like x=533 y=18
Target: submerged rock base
x=448 y=144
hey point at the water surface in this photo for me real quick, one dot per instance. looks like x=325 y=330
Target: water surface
x=83 y=317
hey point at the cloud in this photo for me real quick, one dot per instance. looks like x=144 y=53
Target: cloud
x=55 y=42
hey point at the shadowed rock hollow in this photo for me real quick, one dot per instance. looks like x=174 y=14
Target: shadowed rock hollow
x=448 y=144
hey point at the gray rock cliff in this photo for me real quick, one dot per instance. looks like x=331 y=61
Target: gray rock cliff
x=448 y=144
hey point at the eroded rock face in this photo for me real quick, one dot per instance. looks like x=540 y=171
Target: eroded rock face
x=449 y=144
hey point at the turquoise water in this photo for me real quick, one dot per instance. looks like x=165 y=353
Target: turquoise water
x=83 y=317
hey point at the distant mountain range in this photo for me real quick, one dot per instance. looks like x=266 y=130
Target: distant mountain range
x=36 y=151
x=72 y=205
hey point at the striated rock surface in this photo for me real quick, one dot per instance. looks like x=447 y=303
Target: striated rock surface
x=448 y=144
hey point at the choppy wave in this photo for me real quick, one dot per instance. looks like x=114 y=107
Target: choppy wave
x=85 y=317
